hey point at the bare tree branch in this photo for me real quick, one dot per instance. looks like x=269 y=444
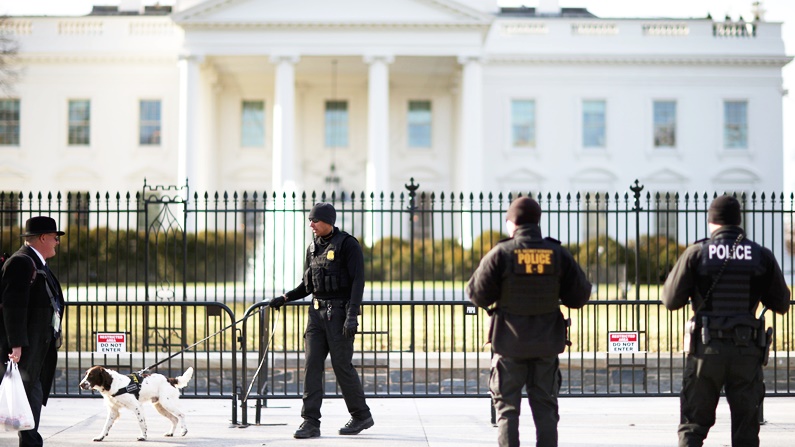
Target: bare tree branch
x=9 y=48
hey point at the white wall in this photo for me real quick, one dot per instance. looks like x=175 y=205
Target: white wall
x=116 y=61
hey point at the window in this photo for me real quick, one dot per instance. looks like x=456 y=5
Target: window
x=419 y=124
x=79 y=122
x=149 y=132
x=735 y=124
x=664 y=123
x=523 y=123
x=594 y=132
x=9 y=122
x=336 y=124
x=252 y=124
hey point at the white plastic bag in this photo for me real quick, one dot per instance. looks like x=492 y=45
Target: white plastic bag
x=15 y=411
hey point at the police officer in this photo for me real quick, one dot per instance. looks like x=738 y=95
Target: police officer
x=725 y=277
x=522 y=282
x=334 y=275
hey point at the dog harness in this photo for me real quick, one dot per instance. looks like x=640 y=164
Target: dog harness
x=134 y=387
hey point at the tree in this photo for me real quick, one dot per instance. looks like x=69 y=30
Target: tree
x=9 y=47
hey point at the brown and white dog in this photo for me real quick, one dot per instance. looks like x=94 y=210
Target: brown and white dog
x=132 y=391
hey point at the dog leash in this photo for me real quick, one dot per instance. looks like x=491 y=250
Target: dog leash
x=264 y=356
x=198 y=342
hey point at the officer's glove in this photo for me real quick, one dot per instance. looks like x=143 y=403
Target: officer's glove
x=351 y=326
x=277 y=302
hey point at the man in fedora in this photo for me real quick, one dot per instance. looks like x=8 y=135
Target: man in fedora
x=30 y=318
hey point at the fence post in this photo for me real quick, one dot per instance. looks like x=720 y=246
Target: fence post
x=636 y=207
x=412 y=187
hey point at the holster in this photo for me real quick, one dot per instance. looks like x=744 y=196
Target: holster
x=768 y=344
x=568 y=325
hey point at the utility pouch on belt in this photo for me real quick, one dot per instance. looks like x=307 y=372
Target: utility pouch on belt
x=705 y=337
x=742 y=336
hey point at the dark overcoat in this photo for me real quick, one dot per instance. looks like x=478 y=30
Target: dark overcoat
x=26 y=318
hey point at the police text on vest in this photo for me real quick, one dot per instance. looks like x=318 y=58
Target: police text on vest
x=724 y=251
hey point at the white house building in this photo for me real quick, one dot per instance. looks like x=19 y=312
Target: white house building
x=361 y=95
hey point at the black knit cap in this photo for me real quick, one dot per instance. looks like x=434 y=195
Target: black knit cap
x=724 y=210
x=325 y=212
x=524 y=210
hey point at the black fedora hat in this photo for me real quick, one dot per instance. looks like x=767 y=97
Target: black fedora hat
x=40 y=225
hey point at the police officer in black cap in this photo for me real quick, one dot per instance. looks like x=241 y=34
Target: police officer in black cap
x=334 y=275
x=522 y=281
x=724 y=278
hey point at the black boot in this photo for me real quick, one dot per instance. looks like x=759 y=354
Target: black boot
x=354 y=426
x=307 y=430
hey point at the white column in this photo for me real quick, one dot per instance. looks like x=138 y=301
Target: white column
x=471 y=156
x=189 y=96
x=377 y=175
x=287 y=220
x=285 y=175
x=470 y=172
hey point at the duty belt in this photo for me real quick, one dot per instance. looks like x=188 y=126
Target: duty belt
x=324 y=304
x=727 y=333
x=334 y=302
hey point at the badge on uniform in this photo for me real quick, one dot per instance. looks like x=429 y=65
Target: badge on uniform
x=315 y=304
x=330 y=255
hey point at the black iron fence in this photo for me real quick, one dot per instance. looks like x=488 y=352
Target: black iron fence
x=166 y=246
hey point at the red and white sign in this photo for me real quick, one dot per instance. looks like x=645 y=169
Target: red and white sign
x=111 y=343
x=623 y=342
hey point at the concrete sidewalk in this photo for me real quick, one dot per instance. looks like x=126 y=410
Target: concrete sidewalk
x=585 y=421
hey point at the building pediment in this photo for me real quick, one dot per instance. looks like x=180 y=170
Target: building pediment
x=735 y=176
x=233 y=13
x=666 y=175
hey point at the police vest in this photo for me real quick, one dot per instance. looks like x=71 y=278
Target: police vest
x=531 y=285
x=731 y=294
x=329 y=273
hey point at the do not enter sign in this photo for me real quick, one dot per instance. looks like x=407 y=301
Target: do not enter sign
x=111 y=343
x=623 y=342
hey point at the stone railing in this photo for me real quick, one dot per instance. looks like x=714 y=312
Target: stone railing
x=16 y=27
x=594 y=29
x=734 y=29
x=524 y=28
x=80 y=27
x=666 y=29
x=146 y=28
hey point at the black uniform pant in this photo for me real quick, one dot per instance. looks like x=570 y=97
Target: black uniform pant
x=324 y=336
x=32 y=438
x=541 y=377
x=722 y=365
